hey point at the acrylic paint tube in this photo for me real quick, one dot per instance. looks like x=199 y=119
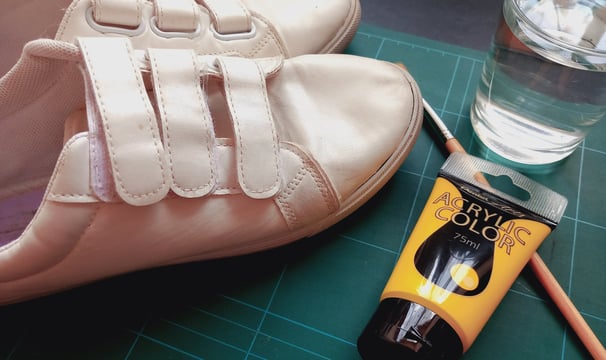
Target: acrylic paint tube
x=470 y=243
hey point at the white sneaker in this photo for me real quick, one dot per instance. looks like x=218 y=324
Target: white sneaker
x=171 y=157
x=248 y=28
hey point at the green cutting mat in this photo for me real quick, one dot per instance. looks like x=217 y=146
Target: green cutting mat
x=311 y=299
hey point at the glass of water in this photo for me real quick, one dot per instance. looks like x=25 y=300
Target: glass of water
x=543 y=84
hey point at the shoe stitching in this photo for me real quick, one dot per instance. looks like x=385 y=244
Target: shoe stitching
x=195 y=10
x=102 y=182
x=322 y=188
x=95 y=159
x=98 y=9
x=260 y=45
x=214 y=15
x=167 y=132
x=244 y=9
x=166 y=125
x=236 y=122
x=93 y=83
x=139 y=11
x=274 y=135
x=291 y=187
x=65 y=197
x=60 y=166
x=109 y=136
x=218 y=20
x=271 y=34
x=67 y=18
x=222 y=189
x=207 y=121
x=307 y=168
x=327 y=195
x=150 y=119
x=160 y=9
x=234 y=115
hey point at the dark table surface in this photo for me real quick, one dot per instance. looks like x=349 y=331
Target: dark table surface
x=468 y=23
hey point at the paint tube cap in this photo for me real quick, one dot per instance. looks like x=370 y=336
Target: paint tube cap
x=402 y=329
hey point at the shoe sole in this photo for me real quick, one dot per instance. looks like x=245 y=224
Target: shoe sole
x=348 y=31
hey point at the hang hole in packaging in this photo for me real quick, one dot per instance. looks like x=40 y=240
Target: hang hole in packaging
x=479 y=227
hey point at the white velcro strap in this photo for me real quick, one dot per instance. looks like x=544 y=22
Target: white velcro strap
x=227 y=177
x=230 y=16
x=127 y=119
x=127 y=13
x=177 y=15
x=254 y=128
x=186 y=123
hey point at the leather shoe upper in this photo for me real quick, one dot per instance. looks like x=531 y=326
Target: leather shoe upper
x=248 y=28
x=163 y=156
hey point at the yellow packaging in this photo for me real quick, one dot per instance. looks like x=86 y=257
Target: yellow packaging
x=470 y=243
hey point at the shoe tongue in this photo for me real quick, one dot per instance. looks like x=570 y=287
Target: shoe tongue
x=75 y=123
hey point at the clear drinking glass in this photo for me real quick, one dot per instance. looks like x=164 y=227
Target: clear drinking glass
x=543 y=84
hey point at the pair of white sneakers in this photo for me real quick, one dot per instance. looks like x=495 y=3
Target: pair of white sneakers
x=155 y=133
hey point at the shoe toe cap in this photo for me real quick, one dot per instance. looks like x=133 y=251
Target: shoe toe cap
x=361 y=119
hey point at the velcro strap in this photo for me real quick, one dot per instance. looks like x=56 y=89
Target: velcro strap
x=124 y=115
x=254 y=128
x=127 y=13
x=230 y=16
x=187 y=127
x=177 y=15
